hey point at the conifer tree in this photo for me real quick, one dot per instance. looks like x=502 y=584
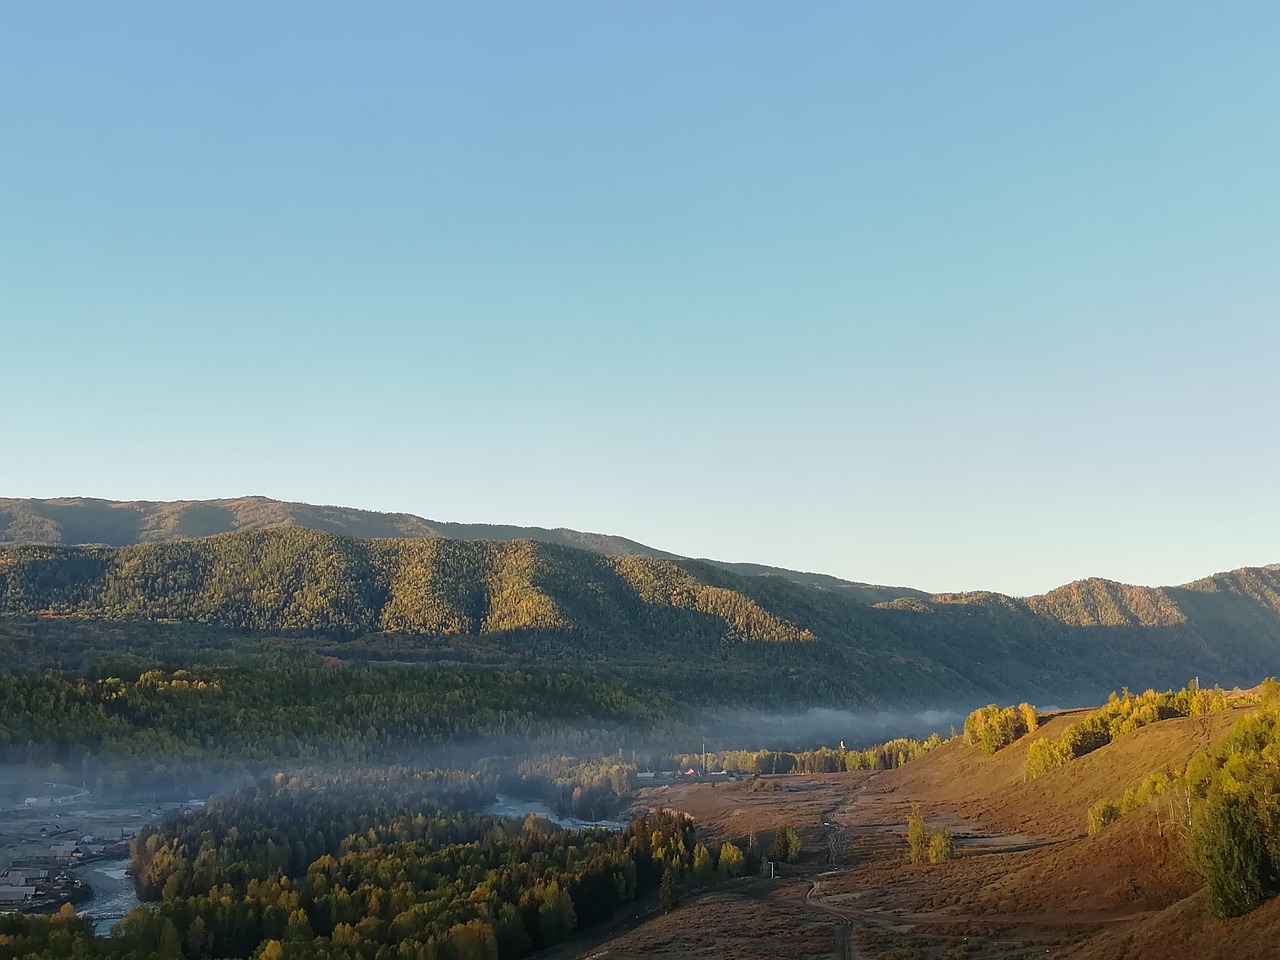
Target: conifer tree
x=667 y=895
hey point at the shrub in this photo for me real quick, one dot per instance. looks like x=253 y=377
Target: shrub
x=941 y=846
x=1046 y=755
x=1102 y=815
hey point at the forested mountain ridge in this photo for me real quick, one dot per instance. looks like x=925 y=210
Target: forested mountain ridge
x=72 y=521
x=662 y=620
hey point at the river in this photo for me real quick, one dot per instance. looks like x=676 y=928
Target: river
x=113 y=894
x=517 y=807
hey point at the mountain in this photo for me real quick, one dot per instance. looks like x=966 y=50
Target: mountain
x=679 y=625
x=69 y=521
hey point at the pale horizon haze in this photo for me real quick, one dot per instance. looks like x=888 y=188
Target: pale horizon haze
x=976 y=296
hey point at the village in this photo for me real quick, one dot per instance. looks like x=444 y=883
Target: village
x=53 y=841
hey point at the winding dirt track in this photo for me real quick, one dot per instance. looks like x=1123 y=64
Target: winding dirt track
x=852 y=918
x=845 y=947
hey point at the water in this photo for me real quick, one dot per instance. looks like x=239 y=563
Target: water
x=113 y=894
x=517 y=807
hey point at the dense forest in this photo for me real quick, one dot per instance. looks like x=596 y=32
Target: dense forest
x=191 y=732
x=645 y=620
x=72 y=521
x=376 y=867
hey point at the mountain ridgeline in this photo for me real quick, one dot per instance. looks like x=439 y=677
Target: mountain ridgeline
x=686 y=626
x=73 y=521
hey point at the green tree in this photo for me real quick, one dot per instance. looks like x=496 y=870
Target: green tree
x=917 y=835
x=941 y=846
x=197 y=936
x=299 y=927
x=703 y=868
x=667 y=894
x=556 y=919
x=732 y=862
x=1229 y=848
x=786 y=845
x=170 y=942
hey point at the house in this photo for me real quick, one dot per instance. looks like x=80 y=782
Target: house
x=12 y=896
x=646 y=776
x=66 y=850
x=74 y=850
x=23 y=877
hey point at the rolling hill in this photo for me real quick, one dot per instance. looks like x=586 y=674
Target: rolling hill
x=680 y=624
x=73 y=521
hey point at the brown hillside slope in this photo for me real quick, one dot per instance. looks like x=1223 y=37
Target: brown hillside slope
x=1187 y=931
x=995 y=793
x=1028 y=881
x=1027 y=866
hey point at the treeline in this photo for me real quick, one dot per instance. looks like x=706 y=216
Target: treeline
x=728 y=674
x=1123 y=714
x=884 y=756
x=87 y=726
x=995 y=728
x=758 y=639
x=27 y=937
x=306 y=870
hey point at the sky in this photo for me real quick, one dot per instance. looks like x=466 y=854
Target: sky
x=959 y=296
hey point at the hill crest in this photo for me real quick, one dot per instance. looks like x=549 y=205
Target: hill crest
x=81 y=521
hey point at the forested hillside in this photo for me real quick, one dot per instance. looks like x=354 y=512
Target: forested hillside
x=72 y=521
x=680 y=625
x=84 y=520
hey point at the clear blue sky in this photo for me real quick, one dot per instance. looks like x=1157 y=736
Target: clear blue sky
x=951 y=294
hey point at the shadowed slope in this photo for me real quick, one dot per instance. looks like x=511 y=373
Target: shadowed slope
x=70 y=521
x=524 y=600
